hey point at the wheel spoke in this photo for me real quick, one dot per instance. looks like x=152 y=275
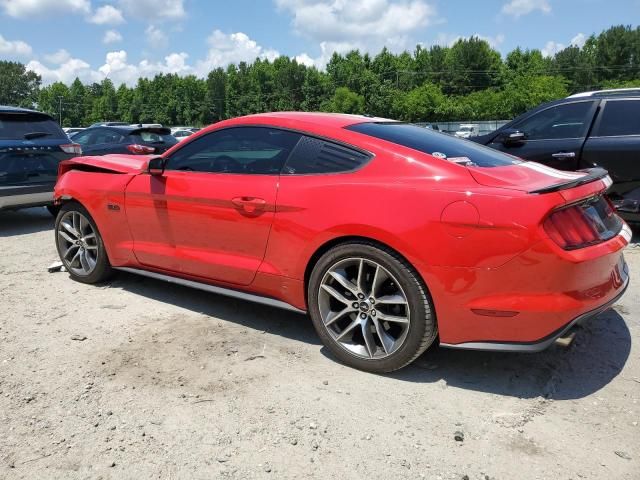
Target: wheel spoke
x=91 y=247
x=386 y=341
x=392 y=318
x=349 y=329
x=70 y=229
x=75 y=257
x=90 y=236
x=66 y=236
x=392 y=299
x=369 y=342
x=335 y=316
x=65 y=255
x=342 y=280
x=84 y=263
x=335 y=294
x=360 y=275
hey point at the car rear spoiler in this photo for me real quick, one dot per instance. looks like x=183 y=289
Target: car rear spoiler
x=592 y=174
x=158 y=130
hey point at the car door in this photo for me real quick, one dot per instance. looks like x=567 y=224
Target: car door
x=554 y=136
x=615 y=146
x=210 y=214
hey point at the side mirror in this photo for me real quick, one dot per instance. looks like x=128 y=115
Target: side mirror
x=155 y=166
x=512 y=136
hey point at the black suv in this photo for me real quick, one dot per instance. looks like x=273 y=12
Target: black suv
x=582 y=131
x=32 y=145
x=125 y=139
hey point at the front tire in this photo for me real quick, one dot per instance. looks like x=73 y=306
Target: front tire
x=80 y=245
x=370 y=307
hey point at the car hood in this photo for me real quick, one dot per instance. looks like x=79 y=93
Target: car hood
x=534 y=177
x=114 y=163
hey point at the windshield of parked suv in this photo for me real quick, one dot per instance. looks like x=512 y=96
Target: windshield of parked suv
x=27 y=126
x=439 y=145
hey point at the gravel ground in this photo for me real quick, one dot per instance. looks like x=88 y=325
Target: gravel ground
x=142 y=379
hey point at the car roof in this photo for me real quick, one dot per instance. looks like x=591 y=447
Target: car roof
x=10 y=109
x=613 y=92
x=334 y=120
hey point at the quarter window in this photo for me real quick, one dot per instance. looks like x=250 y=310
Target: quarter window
x=248 y=150
x=620 y=117
x=562 y=121
x=313 y=155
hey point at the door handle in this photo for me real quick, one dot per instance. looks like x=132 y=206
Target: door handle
x=564 y=155
x=249 y=204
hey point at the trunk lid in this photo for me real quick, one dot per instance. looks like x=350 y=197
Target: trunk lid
x=535 y=178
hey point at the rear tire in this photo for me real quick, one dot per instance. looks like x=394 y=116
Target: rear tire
x=370 y=307
x=80 y=245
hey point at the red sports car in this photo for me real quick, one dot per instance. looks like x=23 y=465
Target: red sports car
x=388 y=234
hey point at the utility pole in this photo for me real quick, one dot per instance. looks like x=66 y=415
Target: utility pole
x=60 y=110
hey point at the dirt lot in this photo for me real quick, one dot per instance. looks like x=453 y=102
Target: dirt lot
x=141 y=379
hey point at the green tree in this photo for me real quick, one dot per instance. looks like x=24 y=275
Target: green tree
x=345 y=101
x=18 y=86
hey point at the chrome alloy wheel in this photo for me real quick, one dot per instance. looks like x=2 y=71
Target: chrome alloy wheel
x=78 y=244
x=364 y=308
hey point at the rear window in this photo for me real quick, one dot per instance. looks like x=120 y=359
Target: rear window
x=620 y=117
x=155 y=137
x=439 y=145
x=21 y=126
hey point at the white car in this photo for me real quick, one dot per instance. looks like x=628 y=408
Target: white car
x=467 y=130
x=182 y=134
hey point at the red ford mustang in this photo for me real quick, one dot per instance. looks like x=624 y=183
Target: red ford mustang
x=388 y=234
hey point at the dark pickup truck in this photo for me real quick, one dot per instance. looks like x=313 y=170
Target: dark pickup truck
x=594 y=129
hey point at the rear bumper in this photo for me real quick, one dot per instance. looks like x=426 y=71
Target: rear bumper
x=525 y=304
x=543 y=343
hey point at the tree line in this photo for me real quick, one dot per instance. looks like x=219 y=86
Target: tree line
x=468 y=80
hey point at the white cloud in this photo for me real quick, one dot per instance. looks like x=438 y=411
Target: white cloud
x=579 y=40
x=29 y=8
x=519 y=8
x=233 y=48
x=65 y=72
x=14 y=47
x=341 y=20
x=111 y=36
x=106 y=15
x=118 y=69
x=446 y=39
x=551 y=48
x=156 y=37
x=58 y=58
x=154 y=10
x=367 y=25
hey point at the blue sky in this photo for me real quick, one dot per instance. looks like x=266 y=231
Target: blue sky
x=125 y=39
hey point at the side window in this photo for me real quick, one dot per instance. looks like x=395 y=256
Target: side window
x=619 y=117
x=83 y=138
x=249 y=150
x=562 y=121
x=105 y=135
x=313 y=155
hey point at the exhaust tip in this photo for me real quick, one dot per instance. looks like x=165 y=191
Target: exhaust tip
x=566 y=341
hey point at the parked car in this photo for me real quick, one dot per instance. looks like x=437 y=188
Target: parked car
x=466 y=130
x=71 y=131
x=109 y=124
x=586 y=130
x=147 y=125
x=32 y=145
x=125 y=139
x=358 y=222
x=432 y=126
x=182 y=134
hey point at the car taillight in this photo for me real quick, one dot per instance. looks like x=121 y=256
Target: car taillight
x=580 y=225
x=73 y=148
x=140 y=149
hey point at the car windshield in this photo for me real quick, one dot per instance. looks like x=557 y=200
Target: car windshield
x=28 y=126
x=440 y=145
